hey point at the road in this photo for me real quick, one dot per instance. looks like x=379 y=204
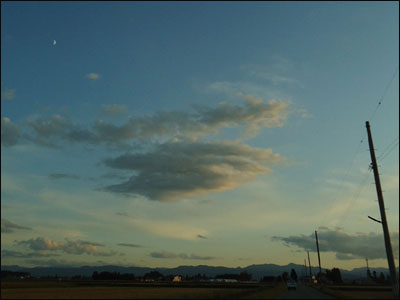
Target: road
x=304 y=292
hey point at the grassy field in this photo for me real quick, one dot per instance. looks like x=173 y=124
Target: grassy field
x=359 y=292
x=125 y=290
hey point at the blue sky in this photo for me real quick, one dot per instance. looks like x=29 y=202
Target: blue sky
x=165 y=133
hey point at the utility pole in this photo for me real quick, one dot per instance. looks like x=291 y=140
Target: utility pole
x=309 y=264
x=388 y=245
x=319 y=260
x=305 y=267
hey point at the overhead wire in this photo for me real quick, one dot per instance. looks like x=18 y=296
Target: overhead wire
x=382 y=156
x=356 y=195
x=384 y=94
x=389 y=148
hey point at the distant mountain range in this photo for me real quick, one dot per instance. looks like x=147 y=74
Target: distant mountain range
x=257 y=271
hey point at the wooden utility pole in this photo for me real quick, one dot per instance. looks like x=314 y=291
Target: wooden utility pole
x=305 y=266
x=319 y=260
x=388 y=245
x=309 y=264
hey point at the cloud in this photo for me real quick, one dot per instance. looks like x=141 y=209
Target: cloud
x=56 y=129
x=208 y=201
x=163 y=254
x=10 y=133
x=176 y=170
x=253 y=114
x=17 y=254
x=8 y=94
x=169 y=229
x=123 y=214
x=198 y=257
x=63 y=263
x=276 y=73
x=347 y=246
x=8 y=227
x=62 y=176
x=129 y=245
x=170 y=255
x=71 y=247
x=113 y=110
x=230 y=89
x=93 y=76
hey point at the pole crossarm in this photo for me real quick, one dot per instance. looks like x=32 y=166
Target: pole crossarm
x=374 y=219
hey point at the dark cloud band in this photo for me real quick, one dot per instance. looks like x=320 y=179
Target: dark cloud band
x=346 y=246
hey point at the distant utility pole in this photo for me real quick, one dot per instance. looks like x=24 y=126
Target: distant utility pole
x=388 y=245
x=309 y=264
x=305 y=266
x=319 y=260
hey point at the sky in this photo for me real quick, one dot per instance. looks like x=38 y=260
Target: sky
x=161 y=134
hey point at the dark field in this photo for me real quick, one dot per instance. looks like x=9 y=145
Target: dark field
x=359 y=292
x=129 y=290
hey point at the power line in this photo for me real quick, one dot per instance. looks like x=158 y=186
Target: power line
x=384 y=94
x=364 y=134
x=389 y=148
x=356 y=195
x=340 y=193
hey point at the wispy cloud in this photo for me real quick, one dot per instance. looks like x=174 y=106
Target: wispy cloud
x=276 y=72
x=170 y=255
x=176 y=170
x=10 y=133
x=346 y=246
x=123 y=214
x=93 y=76
x=50 y=132
x=231 y=88
x=129 y=245
x=209 y=201
x=169 y=229
x=63 y=176
x=8 y=227
x=57 y=262
x=253 y=114
x=71 y=247
x=113 y=110
x=8 y=94
x=17 y=254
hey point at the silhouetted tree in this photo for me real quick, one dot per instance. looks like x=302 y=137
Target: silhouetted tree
x=95 y=275
x=12 y=274
x=244 y=276
x=228 y=276
x=293 y=275
x=334 y=275
x=269 y=279
x=374 y=275
x=153 y=275
x=381 y=278
x=110 y=276
x=285 y=276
